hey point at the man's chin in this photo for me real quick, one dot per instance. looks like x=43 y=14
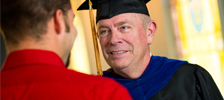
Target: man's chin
x=119 y=67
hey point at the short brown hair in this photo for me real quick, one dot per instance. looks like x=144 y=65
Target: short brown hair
x=20 y=18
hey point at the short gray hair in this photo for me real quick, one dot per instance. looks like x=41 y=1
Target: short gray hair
x=145 y=19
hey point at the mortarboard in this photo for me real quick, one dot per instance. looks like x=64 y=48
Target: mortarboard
x=109 y=8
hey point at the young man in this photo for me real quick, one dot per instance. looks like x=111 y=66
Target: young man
x=125 y=31
x=39 y=35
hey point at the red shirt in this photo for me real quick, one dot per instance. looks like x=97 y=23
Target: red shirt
x=41 y=75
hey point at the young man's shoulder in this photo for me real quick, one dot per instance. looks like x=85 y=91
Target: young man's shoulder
x=108 y=89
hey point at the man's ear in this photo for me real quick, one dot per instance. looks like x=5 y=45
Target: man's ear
x=151 y=29
x=59 y=21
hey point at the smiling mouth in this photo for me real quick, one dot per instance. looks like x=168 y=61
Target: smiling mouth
x=119 y=52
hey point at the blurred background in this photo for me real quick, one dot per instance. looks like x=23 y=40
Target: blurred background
x=191 y=30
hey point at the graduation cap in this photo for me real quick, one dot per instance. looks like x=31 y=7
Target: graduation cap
x=109 y=8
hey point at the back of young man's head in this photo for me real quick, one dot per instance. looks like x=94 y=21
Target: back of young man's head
x=21 y=18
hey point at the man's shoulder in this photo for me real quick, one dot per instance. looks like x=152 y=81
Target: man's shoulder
x=102 y=86
x=160 y=60
x=188 y=67
x=188 y=70
x=193 y=72
x=79 y=77
x=192 y=68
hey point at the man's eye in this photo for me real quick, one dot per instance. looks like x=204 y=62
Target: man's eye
x=104 y=33
x=125 y=27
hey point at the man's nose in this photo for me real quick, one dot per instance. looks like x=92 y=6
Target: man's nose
x=116 y=37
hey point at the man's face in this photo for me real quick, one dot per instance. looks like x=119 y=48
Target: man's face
x=123 y=40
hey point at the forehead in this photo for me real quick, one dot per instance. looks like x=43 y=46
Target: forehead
x=125 y=17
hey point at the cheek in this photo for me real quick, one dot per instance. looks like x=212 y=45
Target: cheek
x=142 y=35
x=139 y=41
x=103 y=42
x=135 y=38
x=104 y=45
x=73 y=31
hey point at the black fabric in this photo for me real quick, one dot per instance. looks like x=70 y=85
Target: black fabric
x=189 y=82
x=109 y=8
x=68 y=60
x=3 y=52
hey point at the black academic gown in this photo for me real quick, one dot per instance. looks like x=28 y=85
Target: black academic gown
x=169 y=79
x=189 y=82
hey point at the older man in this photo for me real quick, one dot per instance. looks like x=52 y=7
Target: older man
x=39 y=35
x=125 y=31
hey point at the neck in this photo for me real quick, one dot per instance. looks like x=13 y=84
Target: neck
x=30 y=43
x=27 y=43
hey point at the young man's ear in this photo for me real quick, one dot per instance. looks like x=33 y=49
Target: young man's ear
x=59 y=21
x=151 y=29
